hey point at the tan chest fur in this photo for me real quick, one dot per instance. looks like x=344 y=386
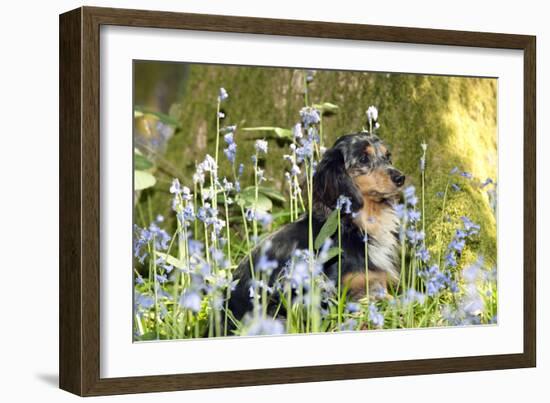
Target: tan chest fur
x=380 y=222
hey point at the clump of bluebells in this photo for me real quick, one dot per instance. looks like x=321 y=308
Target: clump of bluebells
x=184 y=274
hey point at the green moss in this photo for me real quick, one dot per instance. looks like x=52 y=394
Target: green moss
x=456 y=117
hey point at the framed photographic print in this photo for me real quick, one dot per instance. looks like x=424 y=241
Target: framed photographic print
x=272 y=201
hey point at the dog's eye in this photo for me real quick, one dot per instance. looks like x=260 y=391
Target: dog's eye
x=364 y=159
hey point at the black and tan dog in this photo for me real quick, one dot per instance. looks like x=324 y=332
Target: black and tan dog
x=359 y=167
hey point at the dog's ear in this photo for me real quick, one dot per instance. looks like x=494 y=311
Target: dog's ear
x=331 y=181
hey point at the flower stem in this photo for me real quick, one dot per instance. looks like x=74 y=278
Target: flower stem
x=155 y=285
x=217 y=130
x=227 y=229
x=255 y=221
x=248 y=247
x=309 y=172
x=442 y=218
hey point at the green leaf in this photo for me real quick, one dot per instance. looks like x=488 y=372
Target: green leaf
x=327 y=230
x=164 y=118
x=247 y=199
x=273 y=194
x=278 y=131
x=143 y=180
x=332 y=252
x=141 y=163
x=283 y=133
x=178 y=264
x=148 y=336
x=327 y=108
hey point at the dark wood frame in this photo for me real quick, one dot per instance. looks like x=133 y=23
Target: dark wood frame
x=80 y=186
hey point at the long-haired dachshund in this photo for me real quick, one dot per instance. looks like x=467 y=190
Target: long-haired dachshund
x=359 y=167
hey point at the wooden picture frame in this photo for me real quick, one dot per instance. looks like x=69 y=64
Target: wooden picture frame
x=79 y=346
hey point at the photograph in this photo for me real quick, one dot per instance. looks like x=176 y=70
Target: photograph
x=271 y=201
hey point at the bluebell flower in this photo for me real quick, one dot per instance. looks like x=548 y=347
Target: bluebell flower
x=472 y=273
x=161 y=278
x=175 y=188
x=401 y=211
x=191 y=300
x=409 y=194
x=455 y=187
x=415 y=236
x=310 y=74
x=165 y=132
x=435 y=280
x=231 y=152
x=466 y=175
x=461 y=316
x=266 y=265
x=457 y=244
x=227 y=185
x=372 y=114
x=256 y=286
x=375 y=317
x=348 y=325
x=412 y=296
x=261 y=146
x=264 y=218
x=450 y=259
x=198 y=176
x=159 y=236
x=305 y=152
x=487 y=182
x=139 y=279
x=202 y=214
x=344 y=203
x=228 y=129
x=414 y=215
x=295 y=170
x=453 y=287
x=223 y=95
x=473 y=303
x=297 y=131
x=460 y=234
x=469 y=226
x=264 y=326
x=454 y=171
x=208 y=165
x=250 y=214
x=423 y=254
x=229 y=138
x=310 y=116
x=353 y=307
x=187 y=214
x=260 y=175
x=143 y=301
x=297 y=273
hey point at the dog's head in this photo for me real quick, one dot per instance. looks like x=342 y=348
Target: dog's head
x=358 y=166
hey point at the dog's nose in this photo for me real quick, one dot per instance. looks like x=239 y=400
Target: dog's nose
x=397 y=177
